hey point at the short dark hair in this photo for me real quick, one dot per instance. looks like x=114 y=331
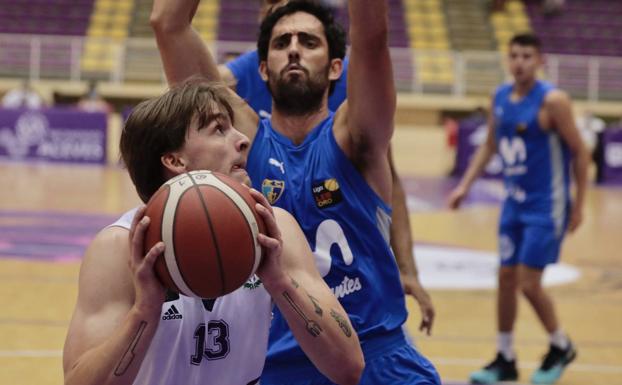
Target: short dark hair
x=526 y=40
x=160 y=125
x=335 y=34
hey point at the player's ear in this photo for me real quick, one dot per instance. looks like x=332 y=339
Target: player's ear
x=336 y=69
x=174 y=163
x=263 y=70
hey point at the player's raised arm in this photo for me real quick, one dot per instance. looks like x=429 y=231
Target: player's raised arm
x=318 y=321
x=184 y=54
x=366 y=130
x=117 y=312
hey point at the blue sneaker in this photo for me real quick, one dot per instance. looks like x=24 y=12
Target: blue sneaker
x=554 y=364
x=498 y=370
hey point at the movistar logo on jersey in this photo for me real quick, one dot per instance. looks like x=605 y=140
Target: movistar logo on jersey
x=253 y=283
x=514 y=153
x=326 y=193
x=172 y=313
x=272 y=189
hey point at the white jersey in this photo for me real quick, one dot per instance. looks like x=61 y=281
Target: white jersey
x=220 y=342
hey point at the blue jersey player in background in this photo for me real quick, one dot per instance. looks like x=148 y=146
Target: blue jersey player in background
x=242 y=75
x=330 y=170
x=532 y=127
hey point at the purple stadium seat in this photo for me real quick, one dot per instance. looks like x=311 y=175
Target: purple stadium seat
x=47 y=17
x=583 y=28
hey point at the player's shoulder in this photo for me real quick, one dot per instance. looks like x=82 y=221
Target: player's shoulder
x=105 y=261
x=502 y=89
x=555 y=95
x=557 y=98
x=110 y=247
x=250 y=58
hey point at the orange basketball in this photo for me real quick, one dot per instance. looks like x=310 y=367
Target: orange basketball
x=209 y=225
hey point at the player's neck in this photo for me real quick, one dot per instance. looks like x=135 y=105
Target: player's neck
x=297 y=127
x=522 y=88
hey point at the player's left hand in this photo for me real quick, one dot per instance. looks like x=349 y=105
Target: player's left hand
x=576 y=217
x=271 y=241
x=413 y=287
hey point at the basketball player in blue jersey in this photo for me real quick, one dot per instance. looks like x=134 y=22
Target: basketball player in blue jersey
x=127 y=330
x=532 y=127
x=330 y=170
x=242 y=75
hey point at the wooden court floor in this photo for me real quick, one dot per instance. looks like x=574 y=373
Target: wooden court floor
x=37 y=293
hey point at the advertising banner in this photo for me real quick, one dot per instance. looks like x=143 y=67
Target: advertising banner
x=612 y=157
x=53 y=135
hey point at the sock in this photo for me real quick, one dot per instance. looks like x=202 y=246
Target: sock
x=505 y=345
x=559 y=339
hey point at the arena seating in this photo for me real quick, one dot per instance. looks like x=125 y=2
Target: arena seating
x=109 y=24
x=429 y=37
x=45 y=17
x=41 y=17
x=438 y=46
x=506 y=23
x=583 y=29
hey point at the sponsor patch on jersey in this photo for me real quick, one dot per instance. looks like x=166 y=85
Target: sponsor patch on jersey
x=253 y=283
x=521 y=128
x=272 y=189
x=326 y=193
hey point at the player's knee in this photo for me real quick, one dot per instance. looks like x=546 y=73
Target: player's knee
x=508 y=279
x=530 y=288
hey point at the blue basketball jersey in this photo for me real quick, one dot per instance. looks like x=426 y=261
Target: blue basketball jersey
x=251 y=87
x=346 y=225
x=536 y=161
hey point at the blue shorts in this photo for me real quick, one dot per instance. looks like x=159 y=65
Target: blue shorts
x=389 y=360
x=531 y=244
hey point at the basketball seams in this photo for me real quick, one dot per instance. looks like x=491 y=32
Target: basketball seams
x=248 y=226
x=212 y=233
x=245 y=209
x=168 y=221
x=155 y=197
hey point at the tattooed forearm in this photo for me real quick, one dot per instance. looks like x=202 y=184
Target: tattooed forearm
x=343 y=323
x=312 y=327
x=296 y=285
x=128 y=356
x=318 y=309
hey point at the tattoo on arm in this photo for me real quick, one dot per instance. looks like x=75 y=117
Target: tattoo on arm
x=129 y=355
x=312 y=327
x=296 y=285
x=343 y=323
x=318 y=309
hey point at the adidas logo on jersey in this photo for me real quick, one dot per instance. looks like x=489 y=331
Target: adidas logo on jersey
x=172 y=313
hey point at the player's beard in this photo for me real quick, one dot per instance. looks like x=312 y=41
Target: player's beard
x=298 y=95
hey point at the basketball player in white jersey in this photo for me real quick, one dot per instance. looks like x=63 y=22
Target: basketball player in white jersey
x=126 y=329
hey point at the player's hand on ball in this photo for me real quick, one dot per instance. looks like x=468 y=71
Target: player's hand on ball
x=271 y=240
x=149 y=290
